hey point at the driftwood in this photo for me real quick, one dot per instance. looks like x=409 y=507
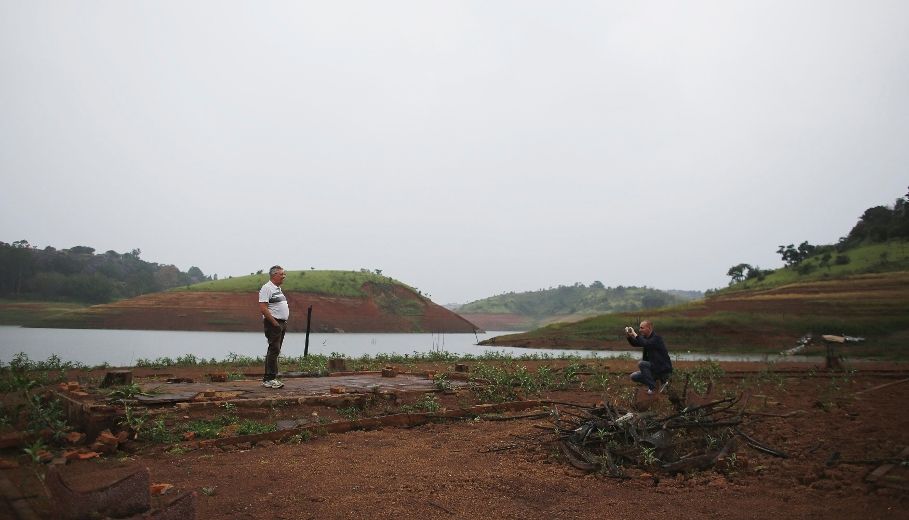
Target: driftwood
x=607 y=438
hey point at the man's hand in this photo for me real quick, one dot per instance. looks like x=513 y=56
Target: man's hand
x=263 y=308
x=629 y=331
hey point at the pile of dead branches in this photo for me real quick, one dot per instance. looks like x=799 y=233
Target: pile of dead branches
x=608 y=439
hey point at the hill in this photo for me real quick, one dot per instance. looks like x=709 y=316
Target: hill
x=867 y=297
x=342 y=301
x=528 y=310
x=857 y=287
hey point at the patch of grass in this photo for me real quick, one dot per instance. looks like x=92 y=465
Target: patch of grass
x=702 y=376
x=158 y=432
x=428 y=403
x=350 y=413
x=203 y=429
x=126 y=392
x=250 y=427
x=328 y=282
x=510 y=381
x=598 y=381
x=301 y=437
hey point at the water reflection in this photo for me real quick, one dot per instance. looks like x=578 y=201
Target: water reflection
x=125 y=347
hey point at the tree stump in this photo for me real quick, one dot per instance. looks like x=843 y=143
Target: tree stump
x=117 y=378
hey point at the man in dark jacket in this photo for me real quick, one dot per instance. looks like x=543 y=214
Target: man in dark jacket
x=655 y=362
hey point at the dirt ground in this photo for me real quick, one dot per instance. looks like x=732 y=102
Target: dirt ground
x=836 y=430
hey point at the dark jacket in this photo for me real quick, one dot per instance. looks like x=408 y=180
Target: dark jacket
x=654 y=351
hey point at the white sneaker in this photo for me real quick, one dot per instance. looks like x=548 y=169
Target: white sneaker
x=273 y=383
x=650 y=391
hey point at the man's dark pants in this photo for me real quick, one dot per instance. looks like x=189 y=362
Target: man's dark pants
x=275 y=336
x=645 y=375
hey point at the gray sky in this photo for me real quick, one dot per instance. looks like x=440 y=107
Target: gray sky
x=466 y=148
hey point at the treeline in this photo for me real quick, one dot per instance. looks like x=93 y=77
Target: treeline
x=78 y=274
x=877 y=224
x=576 y=299
x=881 y=224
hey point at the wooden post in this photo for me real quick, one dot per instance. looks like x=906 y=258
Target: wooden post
x=308 y=322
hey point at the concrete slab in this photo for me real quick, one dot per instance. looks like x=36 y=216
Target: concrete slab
x=299 y=386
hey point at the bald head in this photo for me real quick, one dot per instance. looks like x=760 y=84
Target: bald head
x=646 y=328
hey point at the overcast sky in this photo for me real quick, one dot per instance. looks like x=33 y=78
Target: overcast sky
x=467 y=148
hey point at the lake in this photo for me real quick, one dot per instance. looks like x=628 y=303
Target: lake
x=123 y=347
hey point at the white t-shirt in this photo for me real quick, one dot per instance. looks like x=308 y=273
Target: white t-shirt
x=277 y=303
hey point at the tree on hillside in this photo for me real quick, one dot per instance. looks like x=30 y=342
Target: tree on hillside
x=881 y=223
x=737 y=273
x=793 y=256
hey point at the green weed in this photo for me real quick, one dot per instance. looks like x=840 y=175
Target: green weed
x=35 y=449
x=301 y=437
x=47 y=414
x=428 y=403
x=350 y=413
x=251 y=427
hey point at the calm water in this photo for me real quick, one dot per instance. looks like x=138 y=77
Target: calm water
x=124 y=347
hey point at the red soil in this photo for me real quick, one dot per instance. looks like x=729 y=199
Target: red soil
x=227 y=311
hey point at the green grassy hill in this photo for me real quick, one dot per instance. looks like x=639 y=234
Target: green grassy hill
x=341 y=301
x=871 y=258
x=867 y=297
x=567 y=303
x=325 y=282
x=573 y=300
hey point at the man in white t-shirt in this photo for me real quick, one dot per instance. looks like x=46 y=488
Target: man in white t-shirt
x=275 y=313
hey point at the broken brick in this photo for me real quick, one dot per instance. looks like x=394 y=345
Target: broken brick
x=159 y=489
x=75 y=437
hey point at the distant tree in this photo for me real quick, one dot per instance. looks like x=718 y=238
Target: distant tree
x=168 y=276
x=654 y=300
x=195 y=274
x=82 y=250
x=737 y=273
x=756 y=273
x=793 y=256
x=597 y=285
